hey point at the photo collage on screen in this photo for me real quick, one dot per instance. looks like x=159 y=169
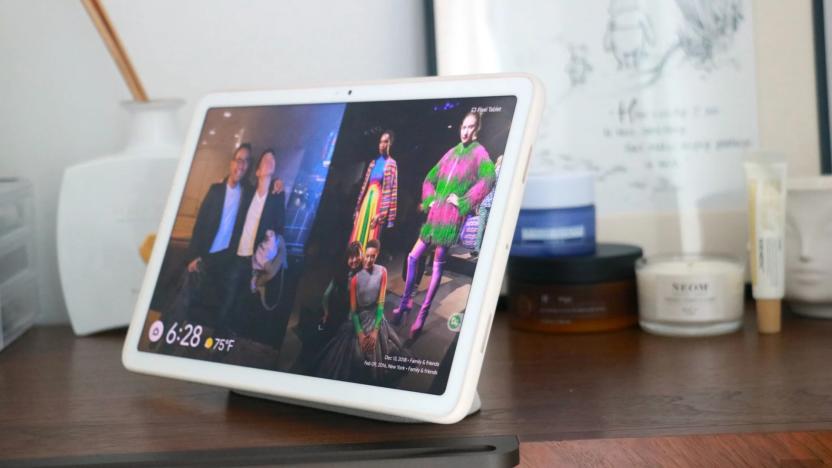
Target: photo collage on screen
x=337 y=241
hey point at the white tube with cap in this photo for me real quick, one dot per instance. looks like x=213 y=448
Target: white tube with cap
x=766 y=183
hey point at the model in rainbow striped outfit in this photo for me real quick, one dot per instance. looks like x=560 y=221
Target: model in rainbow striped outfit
x=451 y=190
x=377 y=201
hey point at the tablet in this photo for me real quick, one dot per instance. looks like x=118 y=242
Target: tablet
x=340 y=247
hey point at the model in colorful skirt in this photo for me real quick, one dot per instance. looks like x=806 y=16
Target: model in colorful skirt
x=376 y=205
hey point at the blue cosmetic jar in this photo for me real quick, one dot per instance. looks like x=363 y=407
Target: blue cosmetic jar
x=557 y=217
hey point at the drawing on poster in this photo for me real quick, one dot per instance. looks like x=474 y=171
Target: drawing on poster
x=629 y=34
x=640 y=92
x=578 y=69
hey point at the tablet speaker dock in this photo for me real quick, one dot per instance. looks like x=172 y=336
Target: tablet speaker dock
x=476 y=404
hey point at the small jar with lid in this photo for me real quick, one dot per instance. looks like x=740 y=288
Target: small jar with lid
x=575 y=294
x=690 y=295
x=557 y=217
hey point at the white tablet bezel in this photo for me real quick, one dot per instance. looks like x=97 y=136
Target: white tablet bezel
x=449 y=407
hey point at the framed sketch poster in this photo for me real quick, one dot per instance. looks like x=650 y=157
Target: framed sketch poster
x=656 y=97
x=822 y=22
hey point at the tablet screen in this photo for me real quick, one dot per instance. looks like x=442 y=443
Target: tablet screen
x=337 y=240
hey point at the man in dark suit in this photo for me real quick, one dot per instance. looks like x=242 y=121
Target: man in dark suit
x=215 y=236
x=218 y=220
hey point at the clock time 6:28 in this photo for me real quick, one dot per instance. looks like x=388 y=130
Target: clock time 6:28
x=191 y=338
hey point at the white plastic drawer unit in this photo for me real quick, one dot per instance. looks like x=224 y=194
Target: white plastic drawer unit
x=16 y=205
x=18 y=282
x=18 y=306
x=16 y=253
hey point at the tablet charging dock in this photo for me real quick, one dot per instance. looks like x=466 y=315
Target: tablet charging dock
x=476 y=404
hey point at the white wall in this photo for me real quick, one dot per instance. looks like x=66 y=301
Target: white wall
x=60 y=92
x=59 y=98
x=786 y=102
x=186 y=48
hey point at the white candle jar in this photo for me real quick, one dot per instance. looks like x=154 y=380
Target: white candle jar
x=690 y=295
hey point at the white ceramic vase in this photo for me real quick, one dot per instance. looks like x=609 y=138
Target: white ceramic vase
x=107 y=207
x=809 y=246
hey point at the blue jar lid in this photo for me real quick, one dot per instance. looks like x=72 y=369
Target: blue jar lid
x=559 y=190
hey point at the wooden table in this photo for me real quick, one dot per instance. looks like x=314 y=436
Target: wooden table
x=623 y=398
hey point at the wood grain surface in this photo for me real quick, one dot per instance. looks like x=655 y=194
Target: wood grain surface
x=793 y=449
x=61 y=395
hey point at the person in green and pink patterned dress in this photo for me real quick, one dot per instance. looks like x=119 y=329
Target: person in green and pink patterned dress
x=451 y=191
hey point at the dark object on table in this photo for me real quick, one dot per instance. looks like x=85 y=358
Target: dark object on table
x=575 y=294
x=479 y=452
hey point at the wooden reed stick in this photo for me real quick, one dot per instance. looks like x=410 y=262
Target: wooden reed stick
x=108 y=34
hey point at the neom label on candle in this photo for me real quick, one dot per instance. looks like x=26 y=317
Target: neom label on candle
x=688 y=299
x=690 y=295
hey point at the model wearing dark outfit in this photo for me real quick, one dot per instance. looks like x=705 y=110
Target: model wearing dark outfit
x=336 y=301
x=335 y=306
